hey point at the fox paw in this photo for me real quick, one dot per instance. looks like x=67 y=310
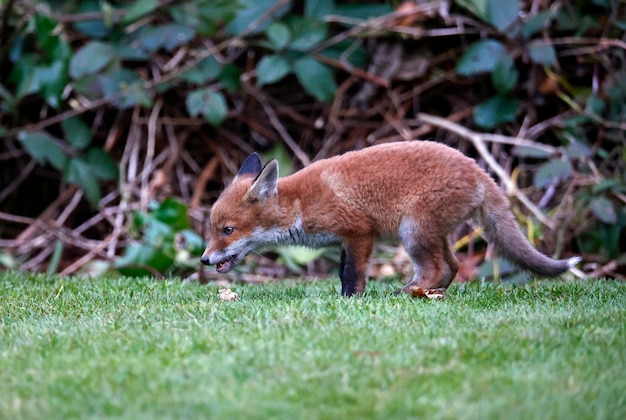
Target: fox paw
x=420 y=292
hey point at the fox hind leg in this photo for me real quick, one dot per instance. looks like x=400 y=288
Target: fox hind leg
x=434 y=263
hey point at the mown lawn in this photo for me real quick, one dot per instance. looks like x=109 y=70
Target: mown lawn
x=127 y=348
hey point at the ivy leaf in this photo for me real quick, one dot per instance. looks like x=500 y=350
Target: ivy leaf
x=250 y=11
x=495 y=111
x=306 y=33
x=124 y=80
x=92 y=28
x=79 y=172
x=481 y=57
x=551 y=172
x=278 y=34
x=205 y=71
x=77 y=133
x=477 y=7
x=143 y=255
x=505 y=75
x=361 y=11
x=316 y=78
x=230 y=78
x=91 y=58
x=211 y=105
x=502 y=13
x=536 y=23
x=542 y=53
x=530 y=152
x=101 y=164
x=167 y=36
x=139 y=9
x=604 y=210
x=42 y=147
x=271 y=69
x=318 y=9
x=173 y=213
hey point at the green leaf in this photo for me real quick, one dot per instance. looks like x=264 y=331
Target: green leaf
x=505 y=75
x=477 y=7
x=139 y=9
x=318 y=9
x=481 y=57
x=345 y=50
x=52 y=81
x=101 y=164
x=204 y=16
x=271 y=69
x=138 y=255
x=252 y=10
x=168 y=36
x=578 y=150
x=278 y=152
x=502 y=13
x=194 y=243
x=278 y=34
x=205 y=71
x=495 y=111
x=49 y=80
x=91 y=58
x=604 y=210
x=127 y=81
x=77 y=133
x=362 y=11
x=173 y=213
x=306 y=33
x=230 y=78
x=595 y=105
x=78 y=172
x=316 y=78
x=530 y=152
x=42 y=147
x=93 y=28
x=536 y=23
x=211 y=105
x=158 y=234
x=542 y=53
x=552 y=172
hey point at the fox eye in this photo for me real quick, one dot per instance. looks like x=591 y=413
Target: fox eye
x=228 y=230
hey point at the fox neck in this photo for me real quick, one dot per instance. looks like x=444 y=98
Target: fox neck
x=289 y=226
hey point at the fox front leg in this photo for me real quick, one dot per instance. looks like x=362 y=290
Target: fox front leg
x=353 y=266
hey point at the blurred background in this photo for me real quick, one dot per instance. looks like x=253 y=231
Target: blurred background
x=121 y=121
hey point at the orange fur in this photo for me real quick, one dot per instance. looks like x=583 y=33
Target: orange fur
x=418 y=192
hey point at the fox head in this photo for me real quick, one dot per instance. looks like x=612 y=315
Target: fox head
x=242 y=215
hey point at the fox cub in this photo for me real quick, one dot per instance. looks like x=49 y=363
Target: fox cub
x=417 y=192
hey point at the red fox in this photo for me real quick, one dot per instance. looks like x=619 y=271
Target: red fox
x=417 y=192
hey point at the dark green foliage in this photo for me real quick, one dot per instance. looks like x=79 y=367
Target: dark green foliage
x=165 y=241
x=79 y=81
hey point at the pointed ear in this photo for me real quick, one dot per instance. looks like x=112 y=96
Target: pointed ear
x=251 y=166
x=266 y=184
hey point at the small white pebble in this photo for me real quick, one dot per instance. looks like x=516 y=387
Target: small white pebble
x=228 y=295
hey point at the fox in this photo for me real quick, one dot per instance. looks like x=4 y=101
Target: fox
x=417 y=192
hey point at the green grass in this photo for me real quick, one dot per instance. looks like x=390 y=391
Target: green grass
x=123 y=348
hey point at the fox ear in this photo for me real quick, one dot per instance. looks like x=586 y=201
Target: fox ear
x=251 y=166
x=266 y=184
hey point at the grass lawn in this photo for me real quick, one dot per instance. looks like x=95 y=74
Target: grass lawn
x=127 y=348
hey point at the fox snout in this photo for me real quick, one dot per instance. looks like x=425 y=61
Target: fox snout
x=205 y=260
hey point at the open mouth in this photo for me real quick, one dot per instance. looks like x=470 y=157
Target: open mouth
x=226 y=265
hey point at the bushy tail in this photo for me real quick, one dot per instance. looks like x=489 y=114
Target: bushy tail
x=502 y=230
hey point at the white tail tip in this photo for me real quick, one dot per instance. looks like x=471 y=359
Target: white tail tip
x=573 y=262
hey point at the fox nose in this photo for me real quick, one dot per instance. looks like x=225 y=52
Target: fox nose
x=205 y=260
